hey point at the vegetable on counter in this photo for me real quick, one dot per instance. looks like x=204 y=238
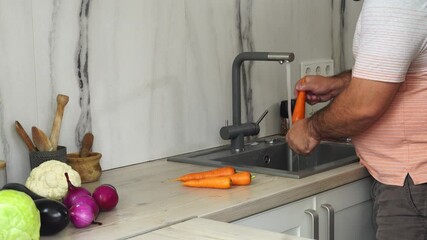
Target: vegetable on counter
x=106 y=197
x=84 y=207
x=54 y=216
x=22 y=188
x=212 y=182
x=221 y=178
x=218 y=172
x=47 y=179
x=241 y=178
x=79 y=206
x=19 y=216
x=87 y=200
x=73 y=192
x=82 y=215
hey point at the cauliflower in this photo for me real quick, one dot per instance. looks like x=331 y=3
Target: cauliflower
x=48 y=179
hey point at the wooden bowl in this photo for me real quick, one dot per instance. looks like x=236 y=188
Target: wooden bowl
x=88 y=167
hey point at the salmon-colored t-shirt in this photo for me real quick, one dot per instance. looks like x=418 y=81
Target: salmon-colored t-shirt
x=390 y=45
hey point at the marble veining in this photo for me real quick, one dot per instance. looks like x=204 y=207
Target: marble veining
x=152 y=78
x=84 y=124
x=244 y=24
x=56 y=4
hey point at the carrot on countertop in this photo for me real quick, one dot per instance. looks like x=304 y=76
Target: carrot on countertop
x=218 y=172
x=212 y=182
x=241 y=178
x=299 y=111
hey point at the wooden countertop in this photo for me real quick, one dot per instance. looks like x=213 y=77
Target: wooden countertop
x=149 y=201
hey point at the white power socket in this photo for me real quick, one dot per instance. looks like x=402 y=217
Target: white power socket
x=324 y=67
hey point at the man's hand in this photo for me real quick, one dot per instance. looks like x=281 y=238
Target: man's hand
x=352 y=111
x=302 y=138
x=322 y=89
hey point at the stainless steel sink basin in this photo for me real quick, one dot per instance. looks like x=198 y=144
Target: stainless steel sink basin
x=273 y=156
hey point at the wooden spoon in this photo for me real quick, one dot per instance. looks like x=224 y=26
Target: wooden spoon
x=24 y=136
x=41 y=141
x=61 y=100
x=86 y=145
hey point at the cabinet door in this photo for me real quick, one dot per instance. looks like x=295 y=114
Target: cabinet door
x=352 y=208
x=289 y=219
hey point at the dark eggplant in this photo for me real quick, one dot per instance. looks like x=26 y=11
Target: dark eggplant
x=22 y=188
x=54 y=216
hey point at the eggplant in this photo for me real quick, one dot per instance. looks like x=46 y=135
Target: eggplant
x=54 y=216
x=22 y=188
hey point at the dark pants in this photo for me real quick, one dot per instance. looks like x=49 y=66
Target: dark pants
x=400 y=212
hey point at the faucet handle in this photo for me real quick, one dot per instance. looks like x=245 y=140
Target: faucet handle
x=234 y=131
x=262 y=117
x=246 y=129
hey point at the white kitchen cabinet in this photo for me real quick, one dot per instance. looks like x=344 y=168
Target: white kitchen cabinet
x=289 y=218
x=348 y=208
x=352 y=211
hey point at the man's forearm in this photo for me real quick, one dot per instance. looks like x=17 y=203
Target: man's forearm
x=355 y=109
x=344 y=79
x=332 y=123
x=319 y=121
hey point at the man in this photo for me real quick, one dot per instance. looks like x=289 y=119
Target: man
x=382 y=105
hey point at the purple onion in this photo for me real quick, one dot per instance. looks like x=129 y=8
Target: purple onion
x=87 y=200
x=73 y=193
x=106 y=197
x=81 y=215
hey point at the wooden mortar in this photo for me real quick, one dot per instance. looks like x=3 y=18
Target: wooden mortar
x=88 y=167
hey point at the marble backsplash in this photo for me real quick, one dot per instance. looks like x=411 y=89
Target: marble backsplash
x=152 y=78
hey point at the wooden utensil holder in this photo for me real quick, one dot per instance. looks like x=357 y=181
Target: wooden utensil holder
x=88 y=167
x=39 y=157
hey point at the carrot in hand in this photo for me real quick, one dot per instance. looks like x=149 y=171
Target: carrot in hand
x=241 y=178
x=299 y=111
x=212 y=182
x=218 y=172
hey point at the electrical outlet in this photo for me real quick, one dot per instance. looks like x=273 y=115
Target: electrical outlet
x=324 y=67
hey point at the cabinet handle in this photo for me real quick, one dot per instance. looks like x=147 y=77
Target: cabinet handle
x=331 y=220
x=315 y=221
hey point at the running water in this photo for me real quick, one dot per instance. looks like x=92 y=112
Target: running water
x=289 y=87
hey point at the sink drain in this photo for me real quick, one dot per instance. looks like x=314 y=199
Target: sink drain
x=267 y=159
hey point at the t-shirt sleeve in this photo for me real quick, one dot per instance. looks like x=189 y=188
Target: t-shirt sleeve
x=389 y=35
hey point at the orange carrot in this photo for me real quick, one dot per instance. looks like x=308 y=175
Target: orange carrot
x=241 y=178
x=218 y=172
x=212 y=182
x=299 y=111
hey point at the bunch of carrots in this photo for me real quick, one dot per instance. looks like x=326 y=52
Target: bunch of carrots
x=222 y=178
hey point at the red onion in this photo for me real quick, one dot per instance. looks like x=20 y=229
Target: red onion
x=73 y=193
x=88 y=200
x=111 y=186
x=81 y=215
x=106 y=197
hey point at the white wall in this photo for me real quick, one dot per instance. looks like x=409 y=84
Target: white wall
x=158 y=72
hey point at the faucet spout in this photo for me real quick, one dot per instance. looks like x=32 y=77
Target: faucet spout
x=238 y=129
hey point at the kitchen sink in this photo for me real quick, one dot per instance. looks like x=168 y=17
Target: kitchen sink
x=274 y=157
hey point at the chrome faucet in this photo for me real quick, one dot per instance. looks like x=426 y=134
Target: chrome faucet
x=238 y=131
